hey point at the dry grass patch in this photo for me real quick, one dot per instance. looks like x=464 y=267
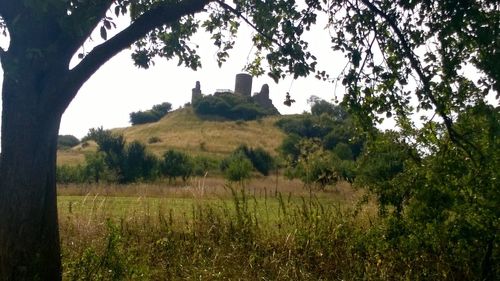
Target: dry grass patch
x=184 y=131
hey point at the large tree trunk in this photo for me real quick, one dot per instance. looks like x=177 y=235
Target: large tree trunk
x=29 y=235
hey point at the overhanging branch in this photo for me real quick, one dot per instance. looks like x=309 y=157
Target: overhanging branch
x=414 y=62
x=253 y=26
x=164 y=14
x=86 y=17
x=426 y=80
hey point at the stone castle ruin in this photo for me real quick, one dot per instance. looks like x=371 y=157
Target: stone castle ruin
x=243 y=86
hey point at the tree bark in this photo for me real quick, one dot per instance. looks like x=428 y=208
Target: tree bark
x=29 y=235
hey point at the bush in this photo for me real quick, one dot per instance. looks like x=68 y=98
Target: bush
x=149 y=116
x=315 y=166
x=155 y=139
x=261 y=160
x=67 y=141
x=380 y=167
x=95 y=167
x=239 y=168
x=69 y=174
x=202 y=165
x=143 y=117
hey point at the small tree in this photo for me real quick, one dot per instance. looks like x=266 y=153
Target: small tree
x=315 y=166
x=138 y=163
x=95 y=166
x=176 y=164
x=239 y=168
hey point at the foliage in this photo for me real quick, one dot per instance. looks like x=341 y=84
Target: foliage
x=387 y=43
x=176 y=164
x=315 y=166
x=149 y=116
x=445 y=198
x=67 y=141
x=380 y=168
x=95 y=167
x=154 y=139
x=230 y=106
x=202 y=165
x=261 y=160
x=69 y=174
x=381 y=40
x=128 y=162
x=290 y=148
x=238 y=168
x=337 y=144
x=139 y=164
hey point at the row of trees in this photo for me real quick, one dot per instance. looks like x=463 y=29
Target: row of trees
x=121 y=162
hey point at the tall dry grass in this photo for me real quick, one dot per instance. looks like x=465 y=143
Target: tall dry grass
x=237 y=237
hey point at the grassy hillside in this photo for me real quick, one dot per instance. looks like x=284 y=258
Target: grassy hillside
x=183 y=130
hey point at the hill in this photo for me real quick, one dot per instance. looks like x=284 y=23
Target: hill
x=183 y=130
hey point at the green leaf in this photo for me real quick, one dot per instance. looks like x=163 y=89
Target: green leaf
x=104 y=34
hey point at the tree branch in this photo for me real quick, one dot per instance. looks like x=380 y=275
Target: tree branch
x=85 y=18
x=240 y=15
x=414 y=62
x=163 y=14
x=426 y=81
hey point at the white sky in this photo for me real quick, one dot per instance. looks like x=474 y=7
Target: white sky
x=119 y=87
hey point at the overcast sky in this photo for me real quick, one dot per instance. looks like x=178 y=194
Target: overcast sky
x=119 y=87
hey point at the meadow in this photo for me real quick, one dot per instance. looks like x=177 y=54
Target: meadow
x=214 y=231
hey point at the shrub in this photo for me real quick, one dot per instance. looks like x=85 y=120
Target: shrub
x=238 y=168
x=95 y=166
x=379 y=168
x=315 y=166
x=149 y=116
x=261 y=160
x=128 y=163
x=202 y=165
x=154 y=139
x=69 y=174
x=143 y=117
x=67 y=141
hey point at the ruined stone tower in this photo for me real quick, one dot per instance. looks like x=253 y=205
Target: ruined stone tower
x=243 y=85
x=196 y=92
x=262 y=98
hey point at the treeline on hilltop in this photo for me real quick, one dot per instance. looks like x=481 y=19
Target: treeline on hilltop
x=230 y=106
x=154 y=114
